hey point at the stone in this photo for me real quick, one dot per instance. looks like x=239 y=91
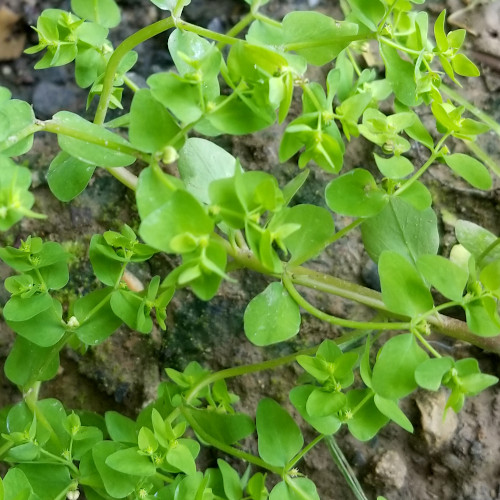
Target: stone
x=436 y=430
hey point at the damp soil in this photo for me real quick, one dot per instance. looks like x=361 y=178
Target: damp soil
x=453 y=459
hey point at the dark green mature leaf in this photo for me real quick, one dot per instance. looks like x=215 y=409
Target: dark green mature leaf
x=200 y=163
x=317 y=37
x=45 y=329
x=103 y=12
x=403 y=290
x=182 y=214
x=356 y=194
x=232 y=484
x=95 y=317
x=394 y=371
x=316 y=228
x=152 y=128
x=28 y=362
x=117 y=484
x=130 y=462
x=472 y=170
x=403 y=229
x=87 y=147
x=401 y=74
x=279 y=437
x=224 y=427
x=272 y=316
x=68 y=176
x=299 y=488
x=47 y=480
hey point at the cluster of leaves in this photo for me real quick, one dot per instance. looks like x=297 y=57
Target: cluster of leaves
x=215 y=216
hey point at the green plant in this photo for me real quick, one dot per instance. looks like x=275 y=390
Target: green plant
x=218 y=217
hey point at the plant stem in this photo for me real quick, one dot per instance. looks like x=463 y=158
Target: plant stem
x=304 y=451
x=469 y=106
x=395 y=45
x=213 y=35
x=19 y=136
x=426 y=344
x=340 y=234
x=445 y=325
x=237 y=28
x=120 y=52
x=226 y=448
x=345 y=468
x=334 y=320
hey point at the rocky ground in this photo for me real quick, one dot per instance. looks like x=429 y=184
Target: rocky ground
x=457 y=458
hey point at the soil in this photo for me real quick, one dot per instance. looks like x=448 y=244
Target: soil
x=457 y=458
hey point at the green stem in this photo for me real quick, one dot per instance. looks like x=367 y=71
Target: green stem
x=267 y=20
x=60 y=460
x=445 y=325
x=484 y=117
x=334 y=320
x=345 y=468
x=304 y=452
x=426 y=344
x=362 y=403
x=120 y=52
x=19 y=136
x=340 y=234
x=163 y=477
x=425 y=166
x=213 y=35
x=311 y=44
x=228 y=449
x=395 y=45
x=237 y=28
x=130 y=84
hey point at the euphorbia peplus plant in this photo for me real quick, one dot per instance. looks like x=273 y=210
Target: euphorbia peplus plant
x=219 y=217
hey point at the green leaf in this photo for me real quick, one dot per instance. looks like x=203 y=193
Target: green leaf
x=17 y=486
x=356 y=194
x=482 y=316
x=130 y=462
x=395 y=167
x=316 y=229
x=200 y=163
x=403 y=290
x=95 y=317
x=232 y=486
x=103 y=12
x=393 y=374
x=463 y=66
x=430 y=373
x=470 y=169
x=18 y=115
x=299 y=488
x=447 y=277
x=256 y=487
x=45 y=329
x=317 y=37
x=368 y=419
x=120 y=428
x=152 y=128
x=391 y=410
x=272 y=316
x=322 y=403
x=28 y=362
x=68 y=177
x=477 y=240
x=226 y=428
x=181 y=214
x=439 y=32
x=401 y=74
x=490 y=276
x=175 y=6
x=181 y=457
x=21 y=309
x=403 y=229
x=279 y=437
x=117 y=484
x=47 y=480
x=369 y=12
x=85 y=144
